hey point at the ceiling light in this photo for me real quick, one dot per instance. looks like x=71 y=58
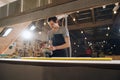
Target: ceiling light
x=77 y=11
x=90 y=44
x=74 y=19
x=7 y=32
x=85 y=38
x=74 y=43
x=111 y=47
x=108 y=28
x=114 y=45
x=102 y=46
x=91 y=8
x=81 y=32
x=104 y=41
x=107 y=34
x=32 y=27
x=115 y=12
x=104 y=6
x=45 y=23
x=75 y=51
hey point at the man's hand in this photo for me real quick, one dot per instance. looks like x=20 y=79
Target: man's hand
x=52 y=48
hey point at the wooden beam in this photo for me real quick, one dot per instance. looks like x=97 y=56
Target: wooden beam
x=90 y=24
x=93 y=15
x=4 y=1
x=48 y=11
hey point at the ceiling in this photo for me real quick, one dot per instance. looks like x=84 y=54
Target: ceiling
x=101 y=32
x=96 y=33
x=92 y=15
x=4 y=2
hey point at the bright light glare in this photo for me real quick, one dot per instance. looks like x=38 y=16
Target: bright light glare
x=104 y=6
x=45 y=23
x=104 y=41
x=74 y=19
x=107 y=34
x=27 y=35
x=85 y=37
x=77 y=11
x=108 y=28
x=7 y=32
x=115 y=12
x=81 y=32
x=32 y=28
x=40 y=33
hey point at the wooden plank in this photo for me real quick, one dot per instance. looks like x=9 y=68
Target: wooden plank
x=90 y=24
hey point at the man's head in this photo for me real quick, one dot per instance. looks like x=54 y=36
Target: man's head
x=53 y=22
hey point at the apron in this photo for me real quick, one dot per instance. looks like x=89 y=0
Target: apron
x=57 y=40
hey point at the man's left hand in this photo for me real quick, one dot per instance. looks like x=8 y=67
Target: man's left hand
x=52 y=48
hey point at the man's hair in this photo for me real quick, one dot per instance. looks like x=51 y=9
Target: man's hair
x=54 y=19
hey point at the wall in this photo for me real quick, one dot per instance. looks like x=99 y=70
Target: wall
x=5 y=42
x=33 y=72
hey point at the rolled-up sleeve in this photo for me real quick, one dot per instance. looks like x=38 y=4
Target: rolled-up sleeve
x=65 y=32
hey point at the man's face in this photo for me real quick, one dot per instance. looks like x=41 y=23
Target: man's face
x=53 y=24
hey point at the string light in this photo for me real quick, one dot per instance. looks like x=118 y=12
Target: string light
x=107 y=34
x=90 y=44
x=77 y=11
x=81 y=32
x=114 y=45
x=115 y=12
x=102 y=46
x=74 y=19
x=104 y=41
x=45 y=23
x=32 y=28
x=75 y=51
x=104 y=6
x=74 y=43
x=111 y=47
x=85 y=38
x=108 y=28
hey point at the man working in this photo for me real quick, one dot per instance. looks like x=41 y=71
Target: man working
x=58 y=37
